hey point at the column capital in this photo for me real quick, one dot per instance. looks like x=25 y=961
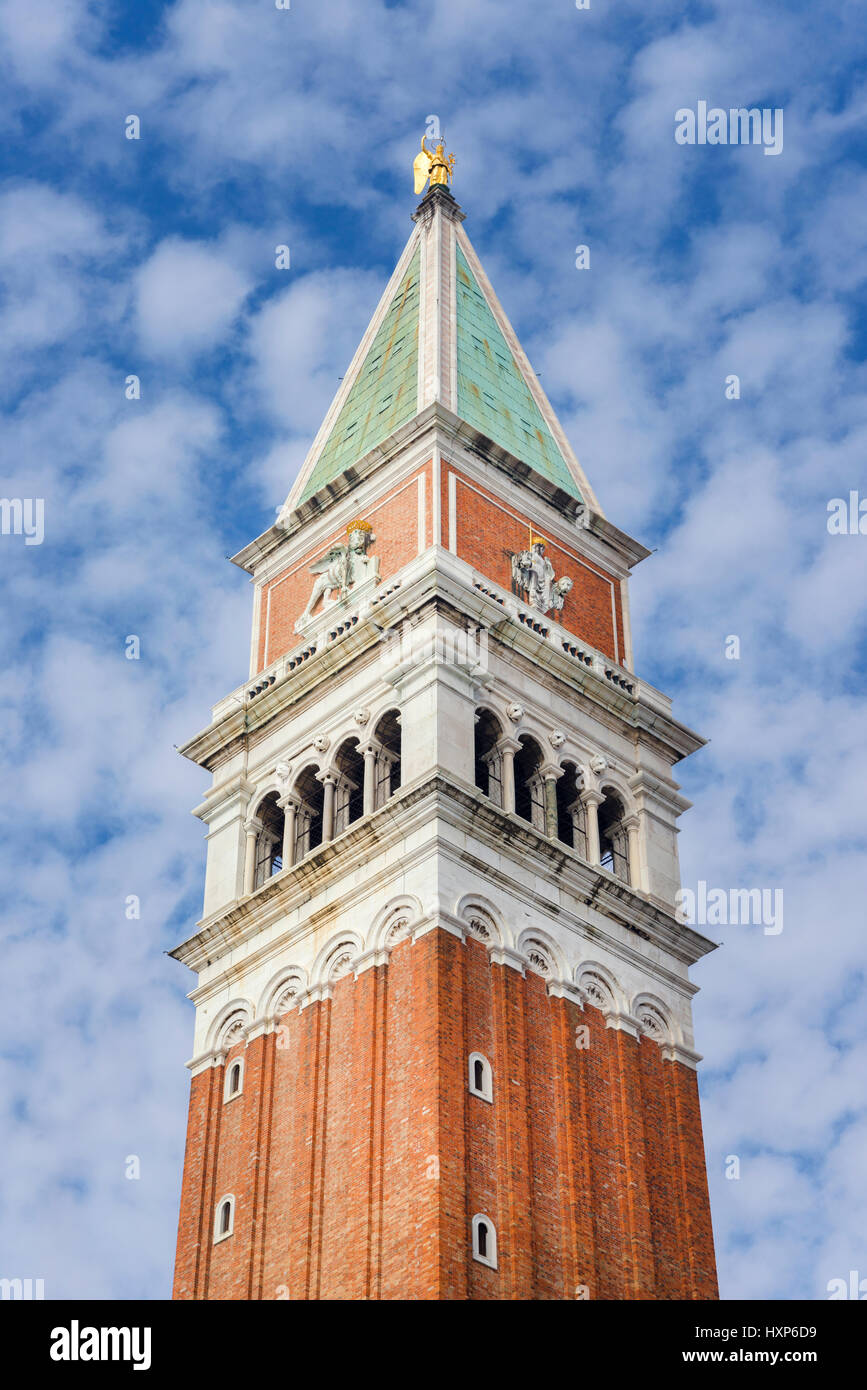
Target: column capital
x=590 y=797
x=291 y=801
x=508 y=745
x=551 y=772
x=252 y=825
x=329 y=778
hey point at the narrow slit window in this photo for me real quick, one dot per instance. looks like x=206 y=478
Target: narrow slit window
x=481 y=1077
x=234 y=1079
x=484 y=1241
x=224 y=1223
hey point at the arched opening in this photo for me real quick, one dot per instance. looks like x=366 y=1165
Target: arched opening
x=269 y=842
x=387 y=736
x=571 y=819
x=613 y=839
x=484 y=1241
x=481 y=1077
x=308 y=820
x=224 y=1222
x=234 y=1079
x=488 y=760
x=529 y=786
x=349 y=793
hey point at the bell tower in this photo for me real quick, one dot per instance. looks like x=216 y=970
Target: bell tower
x=443 y=1036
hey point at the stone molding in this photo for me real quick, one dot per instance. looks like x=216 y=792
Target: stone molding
x=584 y=984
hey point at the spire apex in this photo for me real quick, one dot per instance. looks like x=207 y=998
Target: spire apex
x=438 y=196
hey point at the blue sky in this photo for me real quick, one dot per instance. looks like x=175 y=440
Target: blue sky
x=156 y=257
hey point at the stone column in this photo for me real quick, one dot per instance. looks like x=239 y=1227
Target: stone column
x=251 y=830
x=329 y=782
x=369 y=752
x=591 y=801
x=289 y=806
x=507 y=748
x=630 y=825
x=551 y=772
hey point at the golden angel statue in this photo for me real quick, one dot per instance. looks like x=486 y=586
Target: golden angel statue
x=432 y=166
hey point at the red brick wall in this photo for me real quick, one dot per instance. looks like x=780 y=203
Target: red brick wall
x=197 y=1199
x=358 y=1157
x=394 y=518
x=488 y=529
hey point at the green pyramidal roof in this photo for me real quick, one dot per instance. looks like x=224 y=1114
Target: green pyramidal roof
x=384 y=395
x=492 y=393
x=487 y=382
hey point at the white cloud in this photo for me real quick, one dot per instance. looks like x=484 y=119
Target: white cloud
x=35 y=39
x=54 y=250
x=187 y=297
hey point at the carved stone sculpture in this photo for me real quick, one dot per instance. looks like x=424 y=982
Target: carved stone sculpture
x=344 y=567
x=533 y=574
x=559 y=589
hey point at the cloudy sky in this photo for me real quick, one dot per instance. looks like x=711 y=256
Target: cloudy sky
x=155 y=257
